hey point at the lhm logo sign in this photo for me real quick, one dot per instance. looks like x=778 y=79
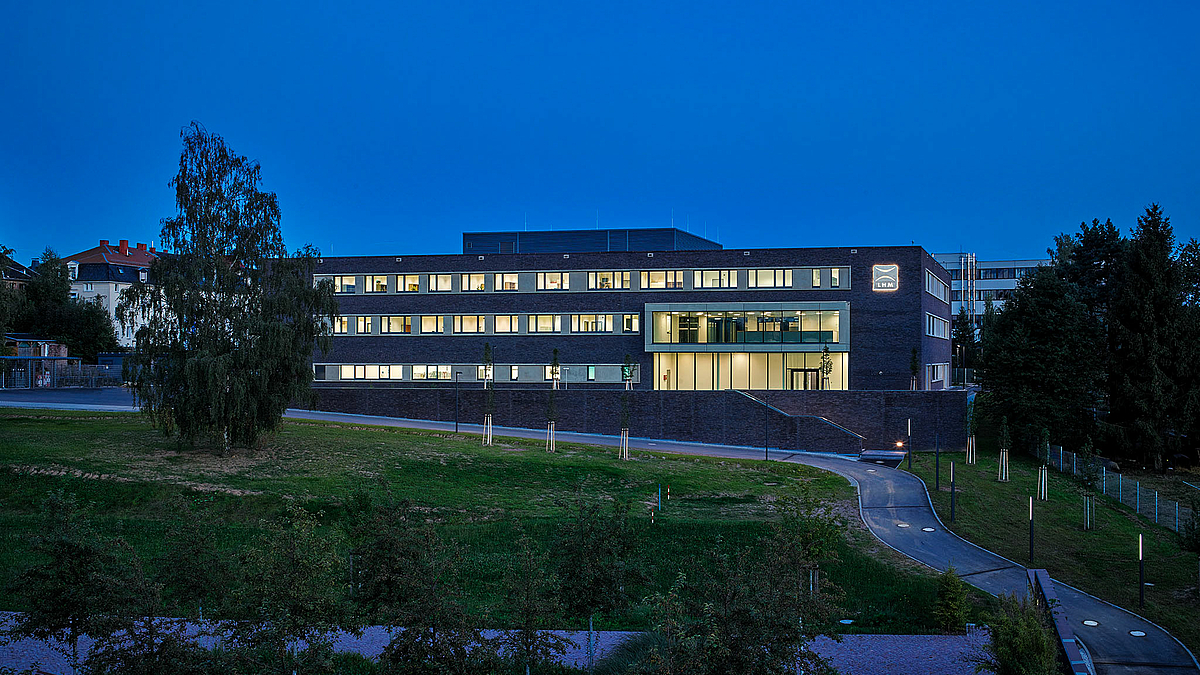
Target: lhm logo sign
x=885 y=277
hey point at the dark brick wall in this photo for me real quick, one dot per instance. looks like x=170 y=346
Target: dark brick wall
x=726 y=417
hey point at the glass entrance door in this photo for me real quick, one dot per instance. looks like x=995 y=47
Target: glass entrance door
x=804 y=378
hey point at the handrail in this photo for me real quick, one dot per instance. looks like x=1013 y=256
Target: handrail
x=1045 y=596
x=816 y=417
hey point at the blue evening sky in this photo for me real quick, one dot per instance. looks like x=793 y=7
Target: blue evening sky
x=393 y=127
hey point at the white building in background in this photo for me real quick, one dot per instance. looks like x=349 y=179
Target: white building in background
x=973 y=282
x=101 y=273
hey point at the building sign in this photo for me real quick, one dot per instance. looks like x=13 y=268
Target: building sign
x=885 y=277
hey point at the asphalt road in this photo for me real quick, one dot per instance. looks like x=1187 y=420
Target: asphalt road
x=894 y=504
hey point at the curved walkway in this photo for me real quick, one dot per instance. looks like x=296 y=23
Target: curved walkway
x=894 y=505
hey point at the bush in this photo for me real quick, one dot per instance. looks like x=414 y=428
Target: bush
x=950 y=612
x=1021 y=643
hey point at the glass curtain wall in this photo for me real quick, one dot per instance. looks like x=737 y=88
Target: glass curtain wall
x=742 y=370
x=790 y=326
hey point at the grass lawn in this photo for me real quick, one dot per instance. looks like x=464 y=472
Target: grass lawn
x=1102 y=561
x=128 y=472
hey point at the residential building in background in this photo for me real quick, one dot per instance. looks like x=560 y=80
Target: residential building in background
x=14 y=275
x=974 y=282
x=100 y=274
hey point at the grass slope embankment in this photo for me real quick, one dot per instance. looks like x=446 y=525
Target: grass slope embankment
x=1102 y=561
x=129 y=473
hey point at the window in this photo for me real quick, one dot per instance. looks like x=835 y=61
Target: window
x=341 y=325
x=816 y=278
x=937 y=372
x=360 y=372
x=545 y=323
x=505 y=323
x=607 y=281
x=468 y=324
x=86 y=287
x=553 y=281
x=471 y=282
x=552 y=373
x=714 y=279
x=408 y=283
x=385 y=372
x=997 y=273
x=936 y=287
x=395 y=324
x=834 y=278
x=771 y=278
x=514 y=372
x=432 y=324
x=484 y=373
x=591 y=323
x=591 y=373
x=431 y=372
x=377 y=284
x=440 y=282
x=343 y=284
x=347 y=373
x=630 y=322
x=936 y=326
x=506 y=282
x=363 y=325
x=667 y=279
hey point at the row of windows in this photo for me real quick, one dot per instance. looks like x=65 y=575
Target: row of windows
x=982 y=296
x=791 y=326
x=478 y=323
x=596 y=281
x=936 y=287
x=990 y=273
x=425 y=372
x=936 y=326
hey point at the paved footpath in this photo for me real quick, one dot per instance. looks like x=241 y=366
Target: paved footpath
x=894 y=504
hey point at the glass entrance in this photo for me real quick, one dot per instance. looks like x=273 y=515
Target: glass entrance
x=804 y=378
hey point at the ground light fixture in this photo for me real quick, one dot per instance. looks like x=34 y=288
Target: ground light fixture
x=1141 y=575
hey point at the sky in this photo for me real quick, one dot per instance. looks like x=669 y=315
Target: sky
x=391 y=128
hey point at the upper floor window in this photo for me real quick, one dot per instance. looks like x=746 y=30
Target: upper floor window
x=665 y=279
x=629 y=322
x=505 y=323
x=432 y=324
x=440 y=282
x=545 y=323
x=607 y=281
x=468 y=324
x=363 y=325
x=506 y=282
x=997 y=273
x=591 y=323
x=816 y=280
x=471 y=282
x=936 y=287
x=936 y=326
x=772 y=279
x=553 y=281
x=835 y=279
x=714 y=279
x=430 y=372
x=395 y=324
x=377 y=284
x=87 y=287
x=408 y=283
x=341 y=325
x=343 y=284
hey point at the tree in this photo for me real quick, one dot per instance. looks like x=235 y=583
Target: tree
x=826 y=367
x=230 y=321
x=9 y=298
x=597 y=558
x=914 y=368
x=489 y=395
x=532 y=607
x=192 y=567
x=1021 y=643
x=965 y=347
x=950 y=610
x=1189 y=537
x=48 y=310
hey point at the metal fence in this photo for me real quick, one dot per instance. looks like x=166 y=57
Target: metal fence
x=1114 y=485
x=32 y=374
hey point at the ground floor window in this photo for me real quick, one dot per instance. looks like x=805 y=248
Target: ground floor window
x=741 y=370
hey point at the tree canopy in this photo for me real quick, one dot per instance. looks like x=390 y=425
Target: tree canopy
x=46 y=309
x=228 y=318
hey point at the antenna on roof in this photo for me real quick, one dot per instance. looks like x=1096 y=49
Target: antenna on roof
x=526 y=221
x=597 y=219
x=688 y=226
x=672 y=218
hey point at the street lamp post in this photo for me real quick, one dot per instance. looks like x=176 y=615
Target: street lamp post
x=953 y=493
x=910 y=448
x=1031 y=531
x=1141 y=575
x=456 y=374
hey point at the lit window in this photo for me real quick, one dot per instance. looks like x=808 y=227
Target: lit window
x=608 y=281
x=385 y=372
x=347 y=373
x=505 y=323
x=468 y=324
x=835 y=279
x=440 y=282
x=630 y=322
x=591 y=323
x=443 y=372
x=419 y=372
x=408 y=283
x=771 y=279
x=471 y=282
x=363 y=325
x=666 y=279
x=514 y=372
x=552 y=373
x=545 y=323
x=553 y=281
x=936 y=287
x=936 y=326
x=816 y=278
x=714 y=279
x=87 y=287
x=591 y=373
x=506 y=282
x=372 y=372
x=341 y=325
x=343 y=284
x=360 y=372
x=395 y=324
x=432 y=324
x=484 y=372
x=377 y=284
